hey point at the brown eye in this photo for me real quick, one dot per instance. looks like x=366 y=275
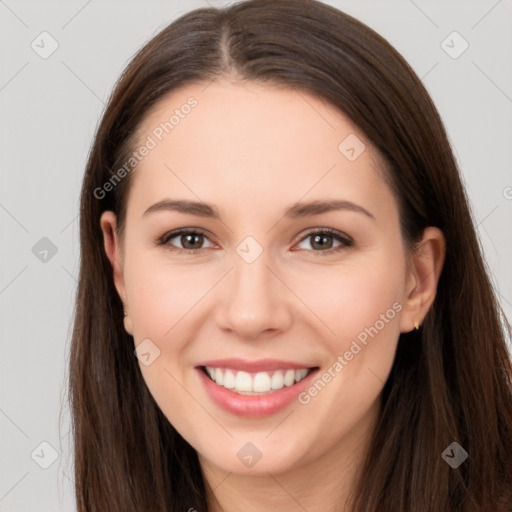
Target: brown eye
x=191 y=240
x=322 y=241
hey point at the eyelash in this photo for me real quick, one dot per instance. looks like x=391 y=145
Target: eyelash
x=345 y=240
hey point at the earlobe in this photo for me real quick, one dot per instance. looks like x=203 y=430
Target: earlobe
x=425 y=266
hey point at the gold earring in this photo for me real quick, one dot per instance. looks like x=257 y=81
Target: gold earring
x=417 y=326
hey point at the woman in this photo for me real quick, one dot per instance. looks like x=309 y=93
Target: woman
x=282 y=301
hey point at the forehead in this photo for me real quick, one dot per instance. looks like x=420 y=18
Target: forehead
x=253 y=142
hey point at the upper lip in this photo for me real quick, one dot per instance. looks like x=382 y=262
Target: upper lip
x=260 y=365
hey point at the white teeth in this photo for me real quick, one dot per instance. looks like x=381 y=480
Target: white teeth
x=277 y=381
x=229 y=379
x=289 y=377
x=261 y=382
x=243 y=381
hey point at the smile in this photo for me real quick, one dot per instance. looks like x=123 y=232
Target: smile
x=254 y=388
x=246 y=383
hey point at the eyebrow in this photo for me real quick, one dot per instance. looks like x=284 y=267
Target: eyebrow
x=297 y=210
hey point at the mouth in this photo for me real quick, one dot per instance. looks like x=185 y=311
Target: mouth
x=255 y=383
x=257 y=388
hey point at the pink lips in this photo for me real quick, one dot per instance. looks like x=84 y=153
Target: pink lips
x=254 y=406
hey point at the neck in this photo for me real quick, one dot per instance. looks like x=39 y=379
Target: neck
x=322 y=485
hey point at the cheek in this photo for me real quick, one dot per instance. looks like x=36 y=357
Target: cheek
x=347 y=301
x=161 y=294
x=162 y=298
x=360 y=307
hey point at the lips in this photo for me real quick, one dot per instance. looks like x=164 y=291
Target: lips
x=254 y=388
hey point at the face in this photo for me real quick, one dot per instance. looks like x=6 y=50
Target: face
x=294 y=310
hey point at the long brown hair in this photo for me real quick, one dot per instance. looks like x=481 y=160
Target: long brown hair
x=451 y=380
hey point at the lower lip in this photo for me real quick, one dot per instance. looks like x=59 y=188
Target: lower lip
x=254 y=406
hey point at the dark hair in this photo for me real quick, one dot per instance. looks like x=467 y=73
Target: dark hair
x=451 y=380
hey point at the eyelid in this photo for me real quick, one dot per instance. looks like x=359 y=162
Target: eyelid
x=345 y=239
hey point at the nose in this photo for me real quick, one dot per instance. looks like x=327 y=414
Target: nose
x=255 y=302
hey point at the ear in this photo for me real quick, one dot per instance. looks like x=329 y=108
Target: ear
x=113 y=249
x=424 y=270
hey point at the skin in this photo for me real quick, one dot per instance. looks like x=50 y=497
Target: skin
x=253 y=150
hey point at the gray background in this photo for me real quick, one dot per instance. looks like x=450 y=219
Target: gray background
x=49 y=111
